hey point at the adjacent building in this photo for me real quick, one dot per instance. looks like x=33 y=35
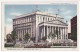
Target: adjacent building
x=40 y=24
x=74 y=28
x=69 y=35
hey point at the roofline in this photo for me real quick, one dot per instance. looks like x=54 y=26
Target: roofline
x=74 y=17
x=35 y=12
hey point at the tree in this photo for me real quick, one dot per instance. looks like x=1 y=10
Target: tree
x=33 y=39
x=44 y=38
x=20 y=39
x=13 y=35
x=26 y=37
x=9 y=38
x=52 y=35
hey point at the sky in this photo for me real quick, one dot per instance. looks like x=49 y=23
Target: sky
x=67 y=11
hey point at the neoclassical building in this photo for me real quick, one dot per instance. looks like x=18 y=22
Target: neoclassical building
x=40 y=24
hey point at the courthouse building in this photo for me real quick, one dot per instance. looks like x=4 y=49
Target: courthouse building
x=40 y=24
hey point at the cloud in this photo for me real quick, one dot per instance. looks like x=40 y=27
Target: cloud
x=15 y=14
x=50 y=10
x=9 y=28
x=9 y=19
x=63 y=8
x=67 y=18
x=62 y=11
x=67 y=12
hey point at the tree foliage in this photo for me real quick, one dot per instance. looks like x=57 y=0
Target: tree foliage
x=9 y=38
x=13 y=35
x=33 y=39
x=52 y=35
x=44 y=38
x=26 y=37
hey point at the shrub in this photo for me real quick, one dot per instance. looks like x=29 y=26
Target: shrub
x=9 y=45
x=56 y=44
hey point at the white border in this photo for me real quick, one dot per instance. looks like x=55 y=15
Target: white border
x=34 y=2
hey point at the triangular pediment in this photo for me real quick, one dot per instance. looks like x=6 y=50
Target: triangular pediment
x=56 y=22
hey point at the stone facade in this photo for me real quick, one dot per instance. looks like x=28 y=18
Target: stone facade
x=39 y=24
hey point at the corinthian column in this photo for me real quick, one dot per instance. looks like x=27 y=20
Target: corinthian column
x=55 y=31
x=67 y=32
x=52 y=29
x=22 y=34
x=18 y=34
x=62 y=33
x=58 y=32
x=31 y=31
x=44 y=30
x=47 y=32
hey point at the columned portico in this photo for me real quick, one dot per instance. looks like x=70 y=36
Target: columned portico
x=61 y=33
